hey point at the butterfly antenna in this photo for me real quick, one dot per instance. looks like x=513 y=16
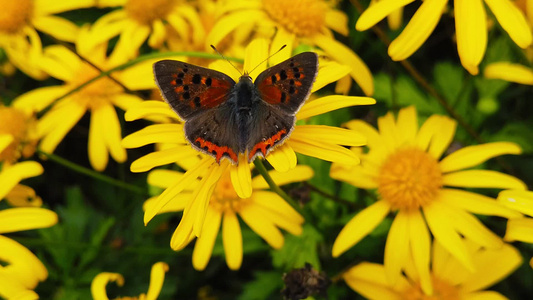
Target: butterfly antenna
x=226 y=59
x=282 y=47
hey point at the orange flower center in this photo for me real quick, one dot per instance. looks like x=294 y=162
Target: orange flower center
x=15 y=14
x=96 y=93
x=302 y=17
x=224 y=197
x=19 y=126
x=409 y=179
x=145 y=12
x=442 y=290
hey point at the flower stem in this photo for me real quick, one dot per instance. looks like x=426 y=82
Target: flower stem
x=88 y=172
x=262 y=170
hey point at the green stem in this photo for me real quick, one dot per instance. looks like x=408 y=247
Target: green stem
x=139 y=60
x=260 y=167
x=88 y=172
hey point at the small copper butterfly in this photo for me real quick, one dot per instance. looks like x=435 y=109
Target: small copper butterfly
x=223 y=118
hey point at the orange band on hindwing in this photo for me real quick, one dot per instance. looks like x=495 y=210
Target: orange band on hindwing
x=219 y=150
x=265 y=145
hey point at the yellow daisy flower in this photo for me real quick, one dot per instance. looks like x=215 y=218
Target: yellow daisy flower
x=404 y=164
x=519 y=229
x=509 y=72
x=319 y=141
x=157 y=277
x=451 y=280
x=17 y=140
x=291 y=23
x=263 y=212
x=19 y=21
x=140 y=20
x=470 y=26
x=21 y=270
x=99 y=98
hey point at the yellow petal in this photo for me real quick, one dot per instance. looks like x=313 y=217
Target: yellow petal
x=417 y=30
x=483 y=179
x=290 y=225
x=360 y=226
x=10 y=288
x=255 y=55
x=420 y=242
x=328 y=134
x=445 y=234
x=241 y=177
x=472 y=229
x=163 y=178
x=521 y=201
x=327 y=152
x=407 y=124
x=23 y=196
x=493 y=265
x=175 y=205
x=354 y=175
x=129 y=42
x=24 y=266
x=342 y=54
x=430 y=128
x=26 y=218
x=395 y=19
x=373 y=138
x=65 y=118
x=157 y=277
x=519 y=230
x=151 y=107
x=230 y=22
x=474 y=155
x=397 y=247
x=39 y=98
x=99 y=283
x=282 y=38
x=253 y=216
x=232 y=240
x=60 y=62
x=369 y=280
x=173 y=191
x=330 y=103
x=190 y=14
x=377 y=12
x=126 y=101
x=163 y=157
x=512 y=20
x=299 y=173
x=338 y=21
x=10 y=177
x=476 y=203
x=441 y=141
x=509 y=72
x=484 y=295
x=329 y=72
x=273 y=202
x=98 y=156
x=205 y=243
x=47 y=7
x=158 y=35
x=57 y=27
x=5 y=140
x=112 y=133
x=471 y=31
x=153 y=134
x=282 y=158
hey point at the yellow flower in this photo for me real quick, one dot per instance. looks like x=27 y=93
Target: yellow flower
x=403 y=163
x=19 y=21
x=470 y=26
x=23 y=270
x=320 y=141
x=263 y=212
x=519 y=229
x=99 y=98
x=291 y=23
x=17 y=139
x=157 y=277
x=451 y=280
x=509 y=72
x=153 y=20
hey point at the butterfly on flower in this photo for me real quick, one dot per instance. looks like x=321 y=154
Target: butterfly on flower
x=223 y=118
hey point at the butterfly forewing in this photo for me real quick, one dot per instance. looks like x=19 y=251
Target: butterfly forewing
x=190 y=89
x=288 y=83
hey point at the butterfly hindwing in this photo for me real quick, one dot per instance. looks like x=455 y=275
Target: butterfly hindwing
x=190 y=89
x=214 y=132
x=288 y=83
x=265 y=135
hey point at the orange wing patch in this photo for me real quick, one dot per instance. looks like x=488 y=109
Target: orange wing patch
x=263 y=146
x=219 y=150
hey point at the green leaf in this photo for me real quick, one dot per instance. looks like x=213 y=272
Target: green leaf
x=299 y=250
x=264 y=284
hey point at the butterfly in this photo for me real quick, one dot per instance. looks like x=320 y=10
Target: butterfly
x=225 y=119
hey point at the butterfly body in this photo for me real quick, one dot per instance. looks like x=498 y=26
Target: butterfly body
x=225 y=119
